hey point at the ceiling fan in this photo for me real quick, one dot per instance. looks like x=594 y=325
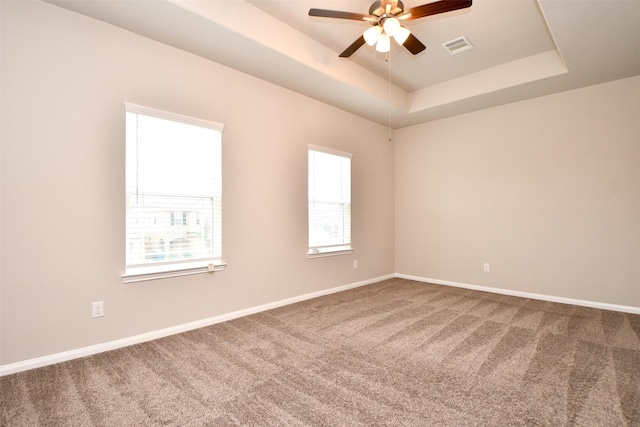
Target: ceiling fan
x=385 y=17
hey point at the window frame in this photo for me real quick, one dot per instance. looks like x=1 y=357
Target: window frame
x=181 y=267
x=321 y=251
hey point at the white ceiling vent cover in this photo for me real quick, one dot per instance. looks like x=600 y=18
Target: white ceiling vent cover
x=458 y=45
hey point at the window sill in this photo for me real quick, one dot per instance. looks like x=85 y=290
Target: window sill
x=325 y=252
x=141 y=274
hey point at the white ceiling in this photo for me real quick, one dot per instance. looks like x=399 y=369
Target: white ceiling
x=522 y=49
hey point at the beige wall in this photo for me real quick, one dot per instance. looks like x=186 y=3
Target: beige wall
x=547 y=191
x=65 y=78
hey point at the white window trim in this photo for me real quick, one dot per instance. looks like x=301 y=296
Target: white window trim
x=142 y=274
x=175 y=117
x=329 y=251
x=330 y=151
x=174 y=269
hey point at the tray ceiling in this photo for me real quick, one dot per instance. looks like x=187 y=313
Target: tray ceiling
x=522 y=49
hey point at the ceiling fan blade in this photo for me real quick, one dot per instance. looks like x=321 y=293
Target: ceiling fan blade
x=435 y=8
x=336 y=14
x=351 y=49
x=414 y=45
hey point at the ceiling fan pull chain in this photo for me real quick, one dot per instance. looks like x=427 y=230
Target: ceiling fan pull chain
x=388 y=58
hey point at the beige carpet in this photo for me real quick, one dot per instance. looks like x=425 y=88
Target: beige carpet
x=393 y=353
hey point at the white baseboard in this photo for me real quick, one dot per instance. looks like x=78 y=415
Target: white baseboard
x=551 y=298
x=161 y=333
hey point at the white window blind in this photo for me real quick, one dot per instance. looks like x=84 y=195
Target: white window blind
x=173 y=188
x=329 y=201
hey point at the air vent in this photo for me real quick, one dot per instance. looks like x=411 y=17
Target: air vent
x=458 y=45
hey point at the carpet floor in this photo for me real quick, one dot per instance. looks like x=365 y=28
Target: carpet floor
x=397 y=352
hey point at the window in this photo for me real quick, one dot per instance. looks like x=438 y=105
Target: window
x=173 y=194
x=329 y=202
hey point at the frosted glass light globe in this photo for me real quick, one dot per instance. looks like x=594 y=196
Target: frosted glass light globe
x=383 y=43
x=372 y=34
x=402 y=35
x=391 y=26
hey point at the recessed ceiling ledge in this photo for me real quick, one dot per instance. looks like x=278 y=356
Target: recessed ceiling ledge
x=526 y=70
x=252 y=23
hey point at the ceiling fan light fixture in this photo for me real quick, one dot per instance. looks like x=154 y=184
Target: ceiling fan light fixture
x=384 y=44
x=402 y=35
x=391 y=26
x=385 y=17
x=372 y=35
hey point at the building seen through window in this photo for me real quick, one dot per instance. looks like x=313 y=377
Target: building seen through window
x=174 y=191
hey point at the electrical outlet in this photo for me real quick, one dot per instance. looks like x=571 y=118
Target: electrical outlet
x=97 y=309
x=486 y=268
x=355 y=264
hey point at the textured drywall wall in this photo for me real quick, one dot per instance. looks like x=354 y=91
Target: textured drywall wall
x=547 y=191
x=65 y=78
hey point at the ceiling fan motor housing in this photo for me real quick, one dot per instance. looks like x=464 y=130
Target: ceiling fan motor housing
x=377 y=5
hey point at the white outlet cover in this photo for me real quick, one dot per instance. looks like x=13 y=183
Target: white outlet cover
x=97 y=309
